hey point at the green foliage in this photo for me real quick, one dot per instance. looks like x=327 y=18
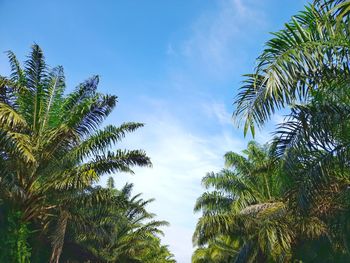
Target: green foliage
x=303 y=58
x=110 y=183
x=244 y=205
x=125 y=232
x=14 y=239
x=289 y=202
x=52 y=154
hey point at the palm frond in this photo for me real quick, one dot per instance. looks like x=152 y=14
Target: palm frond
x=293 y=65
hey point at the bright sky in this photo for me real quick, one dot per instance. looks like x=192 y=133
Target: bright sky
x=175 y=66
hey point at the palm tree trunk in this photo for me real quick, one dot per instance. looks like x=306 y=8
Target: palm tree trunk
x=58 y=239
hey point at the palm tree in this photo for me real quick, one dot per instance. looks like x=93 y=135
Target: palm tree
x=222 y=249
x=314 y=143
x=125 y=233
x=154 y=252
x=301 y=62
x=246 y=205
x=52 y=149
x=305 y=66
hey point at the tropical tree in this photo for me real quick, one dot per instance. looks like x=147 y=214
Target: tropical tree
x=52 y=152
x=129 y=233
x=305 y=67
x=222 y=249
x=245 y=205
x=302 y=61
x=314 y=142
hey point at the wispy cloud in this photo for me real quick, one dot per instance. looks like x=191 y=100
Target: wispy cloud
x=215 y=35
x=218 y=111
x=183 y=152
x=180 y=159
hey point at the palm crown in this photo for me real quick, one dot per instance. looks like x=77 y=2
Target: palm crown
x=51 y=147
x=292 y=204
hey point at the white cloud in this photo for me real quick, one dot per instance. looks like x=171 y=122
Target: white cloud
x=219 y=111
x=181 y=153
x=170 y=49
x=180 y=159
x=184 y=237
x=214 y=41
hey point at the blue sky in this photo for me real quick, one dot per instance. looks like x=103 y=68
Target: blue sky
x=175 y=66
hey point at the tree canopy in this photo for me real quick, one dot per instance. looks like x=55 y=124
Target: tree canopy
x=53 y=151
x=288 y=200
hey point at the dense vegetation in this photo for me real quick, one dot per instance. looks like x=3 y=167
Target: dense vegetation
x=53 y=151
x=289 y=200
x=285 y=201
